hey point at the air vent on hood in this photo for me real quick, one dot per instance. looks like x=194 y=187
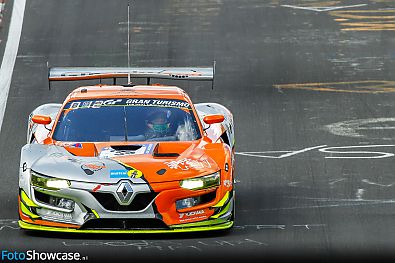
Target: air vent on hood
x=166 y=154
x=123 y=150
x=126 y=147
x=156 y=153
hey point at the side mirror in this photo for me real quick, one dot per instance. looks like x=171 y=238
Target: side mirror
x=41 y=119
x=214 y=118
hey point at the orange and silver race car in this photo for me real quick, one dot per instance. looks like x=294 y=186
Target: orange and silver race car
x=128 y=158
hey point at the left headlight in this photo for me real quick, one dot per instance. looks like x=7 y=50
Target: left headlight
x=48 y=182
x=203 y=182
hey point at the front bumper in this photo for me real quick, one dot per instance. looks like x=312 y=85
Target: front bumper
x=89 y=211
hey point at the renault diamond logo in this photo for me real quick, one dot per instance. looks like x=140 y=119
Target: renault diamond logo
x=124 y=192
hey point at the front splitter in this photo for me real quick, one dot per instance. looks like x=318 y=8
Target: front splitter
x=221 y=226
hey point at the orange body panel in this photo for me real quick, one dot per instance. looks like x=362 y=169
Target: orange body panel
x=218 y=156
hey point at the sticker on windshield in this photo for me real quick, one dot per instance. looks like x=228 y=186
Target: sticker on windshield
x=128 y=102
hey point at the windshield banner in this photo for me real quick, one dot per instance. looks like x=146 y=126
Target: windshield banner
x=127 y=102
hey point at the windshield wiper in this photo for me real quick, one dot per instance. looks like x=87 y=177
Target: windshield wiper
x=125 y=124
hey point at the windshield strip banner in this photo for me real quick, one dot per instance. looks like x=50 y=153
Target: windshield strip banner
x=81 y=104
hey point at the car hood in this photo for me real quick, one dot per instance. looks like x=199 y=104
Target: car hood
x=140 y=163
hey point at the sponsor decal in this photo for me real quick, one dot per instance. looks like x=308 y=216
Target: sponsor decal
x=68 y=158
x=127 y=102
x=193 y=215
x=186 y=164
x=76 y=145
x=119 y=174
x=71 y=145
x=88 y=167
x=109 y=152
x=134 y=173
x=92 y=167
x=94 y=104
x=226 y=167
x=148 y=148
x=96 y=188
x=228 y=183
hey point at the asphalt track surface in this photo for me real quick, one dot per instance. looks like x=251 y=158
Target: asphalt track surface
x=300 y=77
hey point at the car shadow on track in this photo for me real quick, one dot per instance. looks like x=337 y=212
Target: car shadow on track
x=128 y=236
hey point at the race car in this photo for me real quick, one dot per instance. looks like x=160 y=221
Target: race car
x=128 y=158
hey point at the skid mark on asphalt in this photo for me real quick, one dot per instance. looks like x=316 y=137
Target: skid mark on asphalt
x=8 y=224
x=278 y=154
x=360 y=128
x=362 y=19
x=281 y=227
x=368 y=86
x=322 y=8
x=337 y=152
x=353 y=65
x=2 y=4
x=345 y=203
x=168 y=245
x=377 y=184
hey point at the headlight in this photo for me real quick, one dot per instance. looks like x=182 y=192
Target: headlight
x=48 y=183
x=201 y=182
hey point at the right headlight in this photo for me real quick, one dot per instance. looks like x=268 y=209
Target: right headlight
x=203 y=182
x=48 y=182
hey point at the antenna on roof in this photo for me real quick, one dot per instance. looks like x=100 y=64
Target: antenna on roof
x=129 y=82
x=212 y=82
x=49 y=82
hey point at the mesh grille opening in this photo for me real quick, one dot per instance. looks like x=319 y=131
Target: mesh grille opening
x=126 y=224
x=108 y=201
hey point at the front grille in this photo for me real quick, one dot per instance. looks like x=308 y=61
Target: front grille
x=108 y=201
x=41 y=197
x=127 y=224
x=206 y=198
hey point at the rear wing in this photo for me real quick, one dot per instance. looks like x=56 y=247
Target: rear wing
x=87 y=73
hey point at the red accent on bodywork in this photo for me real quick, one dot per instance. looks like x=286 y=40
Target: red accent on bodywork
x=96 y=188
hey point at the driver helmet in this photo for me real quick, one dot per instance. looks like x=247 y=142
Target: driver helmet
x=159 y=120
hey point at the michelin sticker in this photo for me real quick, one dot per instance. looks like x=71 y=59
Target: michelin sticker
x=119 y=174
x=133 y=173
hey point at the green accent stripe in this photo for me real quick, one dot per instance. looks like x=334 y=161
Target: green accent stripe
x=223 y=200
x=225 y=210
x=27 y=200
x=25 y=225
x=201 y=224
x=95 y=213
x=27 y=212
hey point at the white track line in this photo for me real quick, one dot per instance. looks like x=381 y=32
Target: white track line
x=323 y=8
x=11 y=50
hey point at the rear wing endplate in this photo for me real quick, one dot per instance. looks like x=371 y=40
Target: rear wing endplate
x=87 y=73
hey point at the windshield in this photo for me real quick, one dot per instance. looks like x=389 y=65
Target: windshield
x=126 y=119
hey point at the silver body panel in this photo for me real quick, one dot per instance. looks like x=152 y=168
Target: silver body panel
x=57 y=162
x=216 y=130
